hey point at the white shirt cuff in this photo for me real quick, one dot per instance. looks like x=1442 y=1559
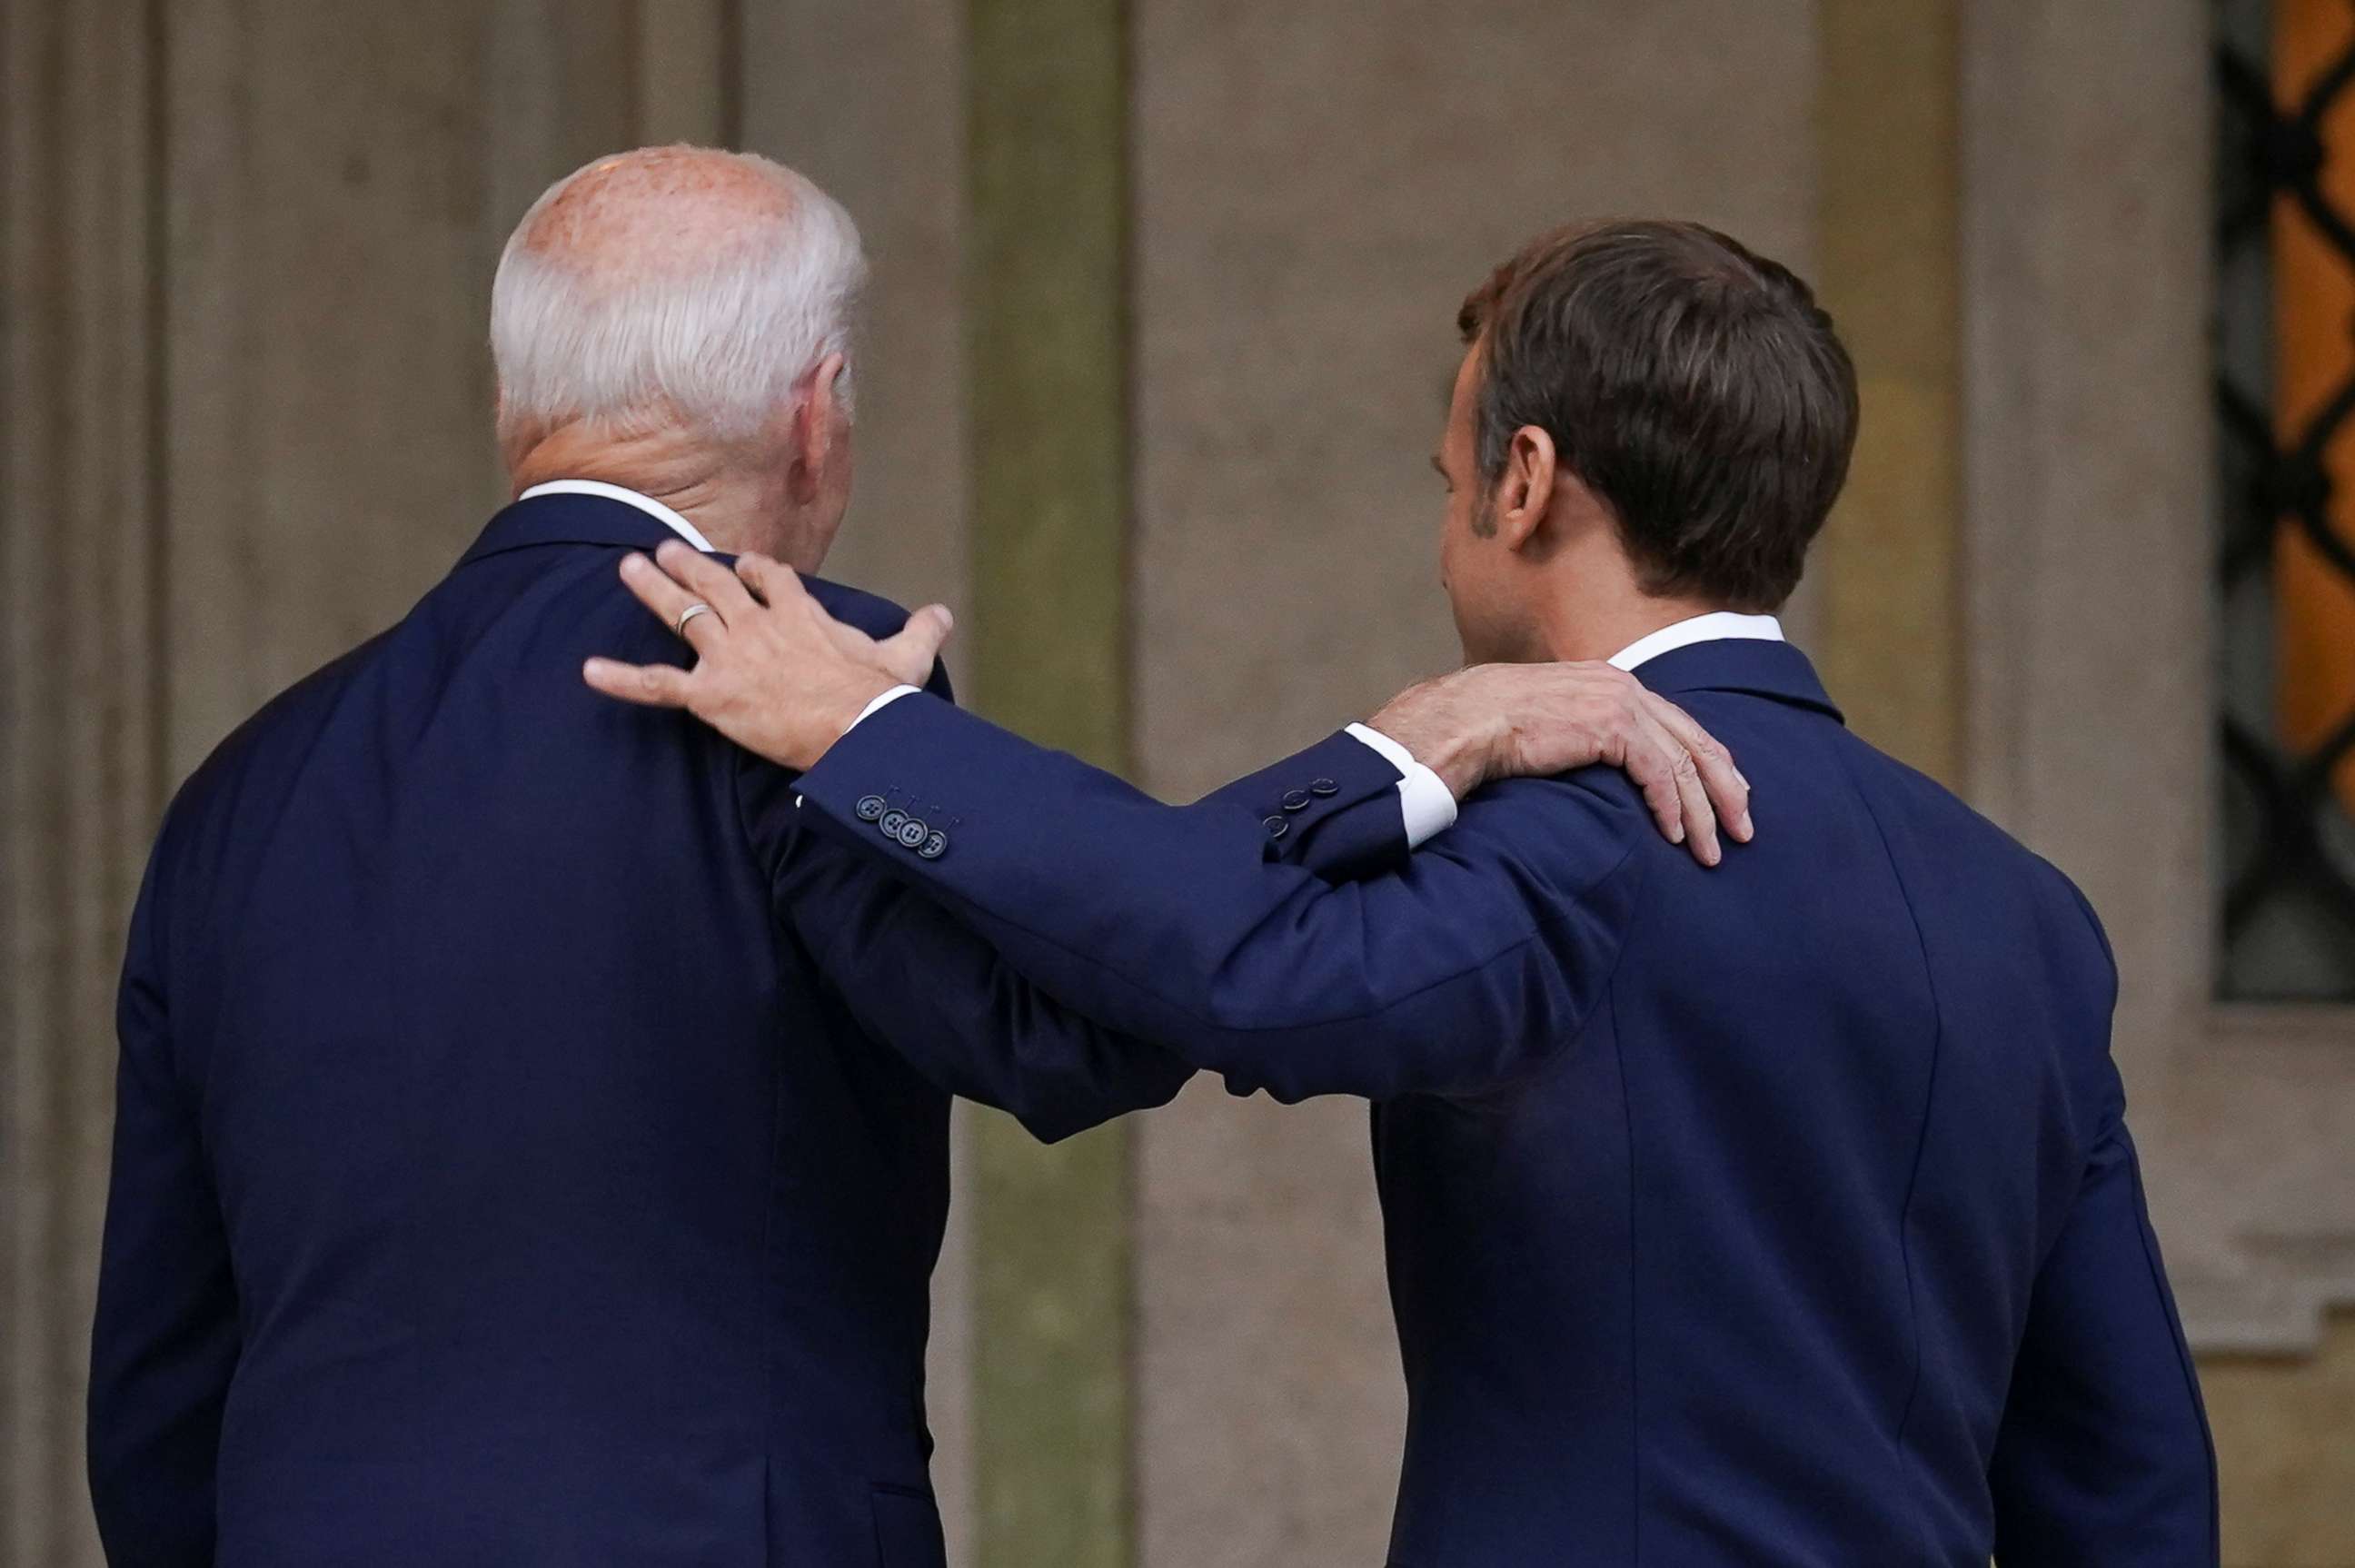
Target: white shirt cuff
x=1427 y=804
x=881 y=703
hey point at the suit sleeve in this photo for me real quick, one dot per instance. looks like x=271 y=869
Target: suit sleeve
x=1186 y=927
x=165 y=1339
x=2103 y=1456
x=1364 y=837
x=926 y=985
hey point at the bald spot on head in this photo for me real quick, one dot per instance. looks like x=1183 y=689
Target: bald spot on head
x=654 y=213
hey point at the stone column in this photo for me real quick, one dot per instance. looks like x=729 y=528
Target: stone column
x=81 y=698
x=1887 y=591
x=1048 y=383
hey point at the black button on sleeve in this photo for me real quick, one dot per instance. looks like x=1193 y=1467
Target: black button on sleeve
x=1324 y=786
x=871 y=808
x=1276 y=826
x=1295 y=800
x=913 y=832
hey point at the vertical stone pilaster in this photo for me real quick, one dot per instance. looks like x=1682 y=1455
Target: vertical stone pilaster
x=1886 y=582
x=81 y=781
x=685 y=79
x=1048 y=382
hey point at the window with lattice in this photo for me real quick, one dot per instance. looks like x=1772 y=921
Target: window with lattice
x=2286 y=411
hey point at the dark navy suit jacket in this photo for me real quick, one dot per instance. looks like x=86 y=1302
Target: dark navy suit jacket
x=1779 y=1214
x=498 y=1180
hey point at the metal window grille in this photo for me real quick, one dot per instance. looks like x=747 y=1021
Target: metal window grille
x=2287 y=917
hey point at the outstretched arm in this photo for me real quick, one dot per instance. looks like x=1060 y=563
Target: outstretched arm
x=1180 y=925
x=1186 y=925
x=920 y=982
x=783 y=679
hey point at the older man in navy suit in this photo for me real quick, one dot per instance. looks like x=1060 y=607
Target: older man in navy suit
x=507 y=1173
x=1782 y=1216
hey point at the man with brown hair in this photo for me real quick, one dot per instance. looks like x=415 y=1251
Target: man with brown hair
x=1782 y=1215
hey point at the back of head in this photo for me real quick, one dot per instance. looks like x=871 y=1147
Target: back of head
x=1694 y=387
x=670 y=286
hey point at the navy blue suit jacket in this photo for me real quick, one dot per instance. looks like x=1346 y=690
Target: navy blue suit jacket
x=1780 y=1214
x=498 y=1180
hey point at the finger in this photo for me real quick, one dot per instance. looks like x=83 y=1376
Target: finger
x=1664 y=770
x=1728 y=792
x=911 y=654
x=789 y=595
x=759 y=573
x=1649 y=759
x=708 y=580
x=656 y=591
x=779 y=585
x=654 y=685
x=908 y=656
x=1668 y=773
x=1701 y=817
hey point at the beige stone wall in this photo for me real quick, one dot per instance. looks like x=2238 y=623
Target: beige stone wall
x=246 y=401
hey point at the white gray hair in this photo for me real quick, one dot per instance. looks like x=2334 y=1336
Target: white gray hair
x=718 y=342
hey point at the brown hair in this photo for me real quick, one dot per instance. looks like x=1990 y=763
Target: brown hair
x=1695 y=387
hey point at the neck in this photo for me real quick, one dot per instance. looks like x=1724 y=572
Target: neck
x=732 y=500
x=1593 y=626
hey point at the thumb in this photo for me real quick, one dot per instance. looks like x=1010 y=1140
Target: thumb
x=911 y=655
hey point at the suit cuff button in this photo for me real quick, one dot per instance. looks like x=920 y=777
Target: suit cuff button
x=912 y=832
x=871 y=808
x=1295 y=800
x=1276 y=826
x=1323 y=787
x=935 y=845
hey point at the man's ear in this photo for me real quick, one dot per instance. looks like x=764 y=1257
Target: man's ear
x=815 y=418
x=1525 y=491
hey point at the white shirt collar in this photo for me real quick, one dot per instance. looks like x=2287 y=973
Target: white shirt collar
x=646 y=504
x=1714 y=626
